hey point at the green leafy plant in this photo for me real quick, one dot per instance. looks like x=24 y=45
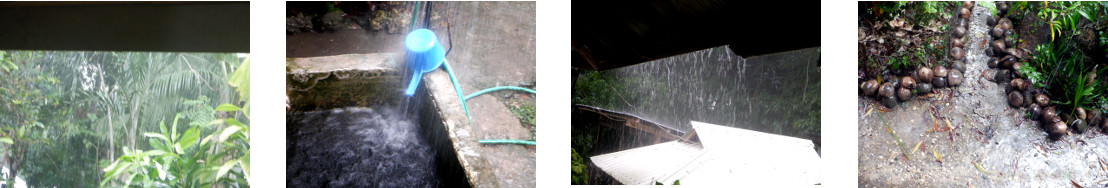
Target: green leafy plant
x=1064 y=16
x=526 y=115
x=186 y=160
x=222 y=157
x=1032 y=75
x=579 y=169
x=988 y=5
x=1070 y=76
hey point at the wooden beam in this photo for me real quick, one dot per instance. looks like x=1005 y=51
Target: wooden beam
x=688 y=136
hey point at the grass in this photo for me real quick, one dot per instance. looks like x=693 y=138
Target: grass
x=526 y=115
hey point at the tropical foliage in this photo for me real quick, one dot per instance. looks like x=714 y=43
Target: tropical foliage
x=185 y=160
x=64 y=116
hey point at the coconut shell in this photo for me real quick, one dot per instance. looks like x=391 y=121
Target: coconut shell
x=923 y=88
x=965 y=12
x=1078 y=125
x=1015 y=99
x=1057 y=129
x=1080 y=113
x=903 y=94
x=1042 y=99
x=889 y=101
x=1003 y=76
x=1015 y=69
x=957 y=53
x=1094 y=117
x=1019 y=84
x=1014 y=52
x=958 y=65
x=1004 y=23
x=1008 y=61
x=1104 y=123
x=924 y=74
x=1001 y=7
x=907 y=82
x=954 y=79
x=941 y=71
x=886 y=90
x=938 y=82
x=1049 y=114
x=1036 y=111
x=998 y=31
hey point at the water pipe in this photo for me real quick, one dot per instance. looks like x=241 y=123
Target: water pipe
x=497 y=89
x=457 y=89
x=502 y=141
x=415 y=11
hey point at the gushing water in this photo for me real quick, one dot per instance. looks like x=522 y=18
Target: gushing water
x=358 y=147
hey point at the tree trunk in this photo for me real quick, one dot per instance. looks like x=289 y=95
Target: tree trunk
x=134 y=120
x=111 y=136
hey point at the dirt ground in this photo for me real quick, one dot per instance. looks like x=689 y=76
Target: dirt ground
x=493 y=45
x=990 y=145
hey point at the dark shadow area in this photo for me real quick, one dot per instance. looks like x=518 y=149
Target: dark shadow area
x=126 y=26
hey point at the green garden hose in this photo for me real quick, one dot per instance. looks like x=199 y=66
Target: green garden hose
x=521 y=142
x=457 y=88
x=499 y=88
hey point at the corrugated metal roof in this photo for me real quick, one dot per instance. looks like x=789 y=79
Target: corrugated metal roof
x=729 y=156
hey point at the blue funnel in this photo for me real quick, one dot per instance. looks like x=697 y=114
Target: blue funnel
x=425 y=54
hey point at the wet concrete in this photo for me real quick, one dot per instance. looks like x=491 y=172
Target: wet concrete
x=493 y=45
x=1011 y=150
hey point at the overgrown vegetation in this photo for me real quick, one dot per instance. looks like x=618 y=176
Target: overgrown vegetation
x=64 y=116
x=921 y=12
x=907 y=35
x=185 y=160
x=579 y=169
x=1064 y=66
